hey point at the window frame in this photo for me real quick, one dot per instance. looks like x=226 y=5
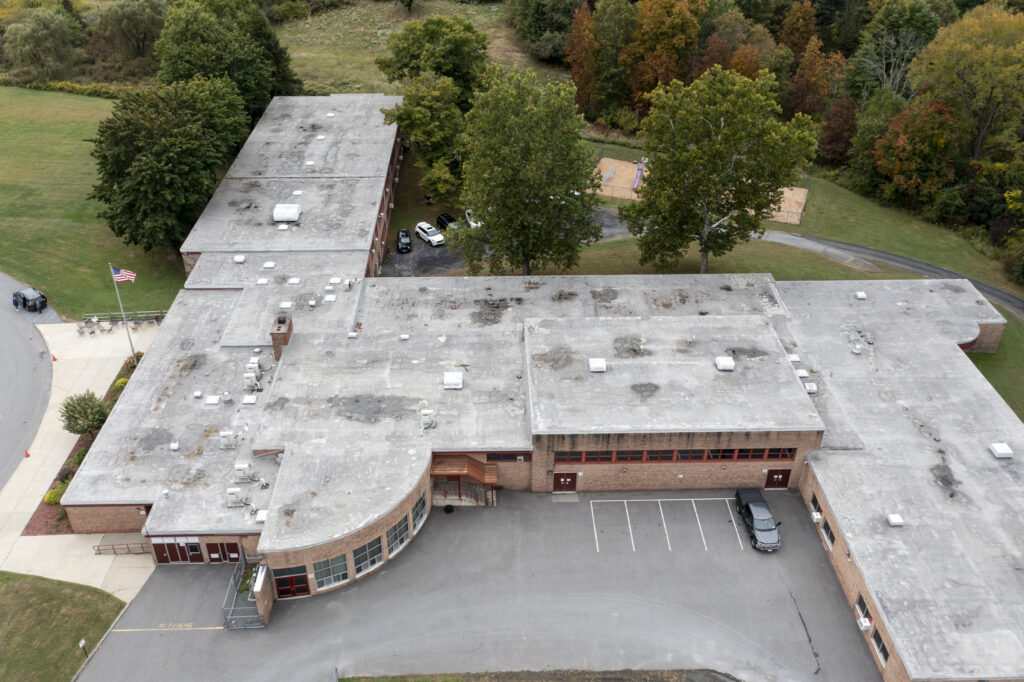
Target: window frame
x=372 y=562
x=881 y=650
x=419 y=513
x=815 y=504
x=861 y=606
x=331 y=566
x=599 y=456
x=393 y=551
x=828 y=534
x=659 y=456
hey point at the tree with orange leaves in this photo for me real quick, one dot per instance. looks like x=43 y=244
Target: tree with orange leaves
x=799 y=26
x=664 y=43
x=816 y=81
x=581 y=51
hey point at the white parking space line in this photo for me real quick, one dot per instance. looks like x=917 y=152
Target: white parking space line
x=625 y=503
x=734 y=526
x=593 y=521
x=699 y=527
x=664 y=525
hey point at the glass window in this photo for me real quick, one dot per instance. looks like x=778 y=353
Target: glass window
x=660 y=455
x=419 y=512
x=285 y=572
x=331 y=572
x=883 y=652
x=561 y=456
x=788 y=453
x=510 y=456
x=398 y=535
x=815 y=506
x=600 y=456
x=367 y=556
x=830 y=537
x=629 y=456
x=691 y=455
x=721 y=454
x=862 y=608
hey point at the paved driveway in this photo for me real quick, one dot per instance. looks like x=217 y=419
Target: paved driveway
x=535 y=583
x=24 y=375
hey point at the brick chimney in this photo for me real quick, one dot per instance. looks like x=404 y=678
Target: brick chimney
x=281 y=333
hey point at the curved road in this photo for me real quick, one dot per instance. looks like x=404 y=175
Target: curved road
x=25 y=375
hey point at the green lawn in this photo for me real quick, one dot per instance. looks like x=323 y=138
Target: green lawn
x=836 y=213
x=42 y=622
x=1004 y=369
x=334 y=51
x=615 y=151
x=51 y=236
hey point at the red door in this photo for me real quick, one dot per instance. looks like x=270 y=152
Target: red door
x=160 y=549
x=777 y=478
x=192 y=552
x=231 y=551
x=292 y=586
x=565 y=483
x=215 y=551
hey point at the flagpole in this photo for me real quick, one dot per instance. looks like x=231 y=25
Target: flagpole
x=110 y=269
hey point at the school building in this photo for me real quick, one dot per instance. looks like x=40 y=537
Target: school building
x=298 y=412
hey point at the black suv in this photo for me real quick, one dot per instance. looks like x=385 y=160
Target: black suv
x=445 y=220
x=757 y=517
x=404 y=243
x=30 y=299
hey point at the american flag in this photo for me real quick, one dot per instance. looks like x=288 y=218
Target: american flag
x=121 y=275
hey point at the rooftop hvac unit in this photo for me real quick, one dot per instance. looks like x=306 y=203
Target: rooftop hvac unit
x=228 y=440
x=254 y=366
x=861 y=296
x=234 y=497
x=453 y=381
x=250 y=381
x=815 y=517
x=598 y=365
x=1000 y=450
x=725 y=363
x=261 y=516
x=239 y=259
x=242 y=472
x=811 y=387
x=895 y=520
x=864 y=624
x=802 y=373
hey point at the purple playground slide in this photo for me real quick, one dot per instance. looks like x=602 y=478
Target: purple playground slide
x=639 y=175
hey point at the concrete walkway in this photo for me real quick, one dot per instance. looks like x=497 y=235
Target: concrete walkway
x=833 y=253
x=83 y=363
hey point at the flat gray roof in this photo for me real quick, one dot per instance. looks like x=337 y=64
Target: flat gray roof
x=951 y=580
x=661 y=376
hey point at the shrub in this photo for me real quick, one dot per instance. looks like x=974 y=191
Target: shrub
x=66 y=472
x=627 y=119
x=120 y=384
x=54 y=495
x=293 y=10
x=83 y=413
x=80 y=455
x=44 y=44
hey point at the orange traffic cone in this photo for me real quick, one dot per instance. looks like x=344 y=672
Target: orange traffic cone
x=26 y=453
x=54 y=357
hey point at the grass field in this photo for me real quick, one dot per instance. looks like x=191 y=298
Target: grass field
x=334 y=51
x=42 y=622
x=51 y=236
x=836 y=213
x=1004 y=369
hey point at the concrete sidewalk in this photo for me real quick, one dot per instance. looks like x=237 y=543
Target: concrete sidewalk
x=832 y=253
x=83 y=363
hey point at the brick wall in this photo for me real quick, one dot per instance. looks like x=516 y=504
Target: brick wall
x=380 y=231
x=851 y=580
x=118 y=518
x=989 y=336
x=378 y=529
x=189 y=259
x=669 y=475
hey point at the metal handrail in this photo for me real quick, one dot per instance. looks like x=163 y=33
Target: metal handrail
x=123 y=548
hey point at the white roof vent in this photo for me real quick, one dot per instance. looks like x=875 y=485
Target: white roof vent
x=453 y=380
x=269 y=265
x=249 y=399
x=1000 y=450
x=403 y=337
x=297 y=193
x=335 y=280
x=240 y=258
x=810 y=387
x=330 y=298
x=598 y=365
x=294 y=280
x=321 y=137
x=724 y=363
x=802 y=373
x=330 y=114
x=197 y=394
x=174 y=446
x=286 y=305
x=287 y=213
x=793 y=357
x=861 y=296
x=213 y=400
x=353 y=335
x=261 y=516
x=895 y=520
x=262 y=280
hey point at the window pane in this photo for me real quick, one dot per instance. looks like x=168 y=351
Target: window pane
x=629 y=456
x=814 y=503
x=331 y=571
x=660 y=455
x=368 y=556
x=419 y=511
x=600 y=456
x=398 y=535
x=284 y=572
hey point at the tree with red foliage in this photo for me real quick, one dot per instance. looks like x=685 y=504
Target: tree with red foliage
x=840 y=124
x=915 y=154
x=581 y=51
x=746 y=61
x=664 y=43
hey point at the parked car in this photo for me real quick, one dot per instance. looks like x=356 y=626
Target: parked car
x=446 y=220
x=757 y=517
x=429 y=234
x=30 y=299
x=404 y=243
x=470 y=220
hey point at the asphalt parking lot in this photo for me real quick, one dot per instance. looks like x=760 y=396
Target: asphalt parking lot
x=595 y=581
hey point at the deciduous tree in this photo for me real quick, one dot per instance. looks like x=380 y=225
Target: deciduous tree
x=442 y=45
x=581 y=51
x=895 y=35
x=817 y=79
x=664 y=42
x=840 y=125
x=915 y=156
x=872 y=122
x=527 y=176
x=131 y=27
x=614 y=25
x=799 y=26
x=83 y=413
x=159 y=154
x=977 y=66
x=44 y=44
x=717 y=158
